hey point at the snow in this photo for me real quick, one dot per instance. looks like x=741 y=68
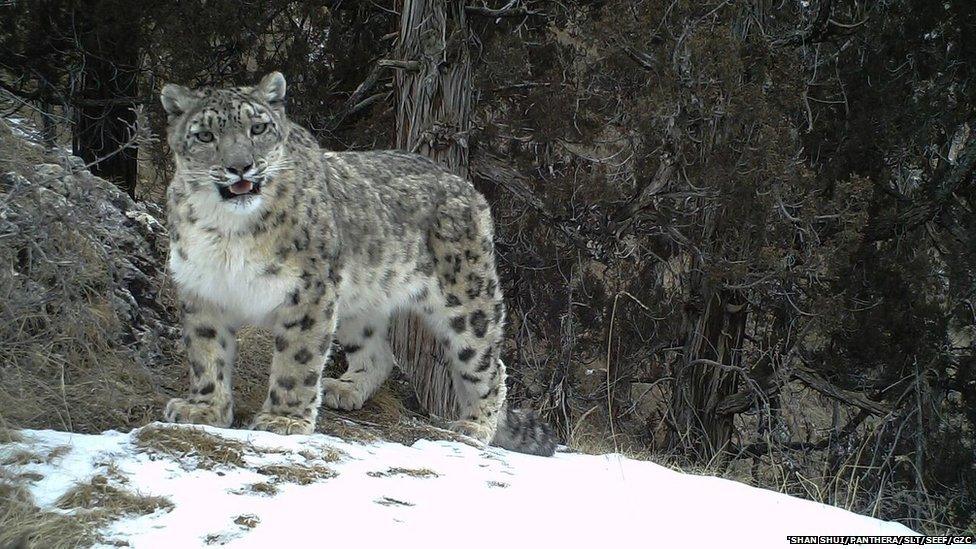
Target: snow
x=23 y=128
x=478 y=498
x=27 y=130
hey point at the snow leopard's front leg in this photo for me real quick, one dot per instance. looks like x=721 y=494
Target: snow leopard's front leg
x=211 y=347
x=304 y=326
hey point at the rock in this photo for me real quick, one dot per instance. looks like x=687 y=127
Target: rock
x=49 y=170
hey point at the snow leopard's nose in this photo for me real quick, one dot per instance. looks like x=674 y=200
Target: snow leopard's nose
x=239 y=170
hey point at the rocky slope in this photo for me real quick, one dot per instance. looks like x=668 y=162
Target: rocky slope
x=88 y=332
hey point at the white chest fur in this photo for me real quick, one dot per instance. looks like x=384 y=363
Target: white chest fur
x=232 y=272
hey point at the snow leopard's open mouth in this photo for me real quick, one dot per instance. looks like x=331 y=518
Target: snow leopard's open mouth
x=242 y=188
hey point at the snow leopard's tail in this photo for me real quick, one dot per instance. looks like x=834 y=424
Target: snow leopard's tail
x=525 y=432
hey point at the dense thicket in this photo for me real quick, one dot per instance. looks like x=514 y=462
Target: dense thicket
x=734 y=233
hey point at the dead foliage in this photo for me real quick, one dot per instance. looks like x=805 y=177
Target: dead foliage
x=23 y=524
x=321 y=452
x=208 y=450
x=100 y=497
x=402 y=471
x=297 y=473
x=391 y=502
x=247 y=521
x=22 y=457
x=263 y=488
x=93 y=504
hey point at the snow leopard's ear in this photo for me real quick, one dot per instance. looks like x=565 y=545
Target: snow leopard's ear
x=176 y=100
x=272 y=89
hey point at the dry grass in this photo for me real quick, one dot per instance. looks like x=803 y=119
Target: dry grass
x=323 y=453
x=385 y=417
x=22 y=457
x=57 y=453
x=17 y=151
x=410 y=430
x=400 y=471
x=297 y=473
x=247 y=521
x=391 y=502
x=255 y=349
x=9 y=435
x=333 y=424
x=206 y=449
x=591 y=435
x=114 y=473
x=23 y=524
x=100 y=497
x=14 y=492
x=263 y=488
x=367 y=425
x=27 y=476
x=94 y=504
x=384 y=407
x=25 y=457
x=407 y=430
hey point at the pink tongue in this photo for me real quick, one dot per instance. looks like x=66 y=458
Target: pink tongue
x=241 y=187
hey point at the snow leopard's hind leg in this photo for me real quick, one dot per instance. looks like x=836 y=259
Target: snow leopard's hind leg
x=370 y=359
x=464 y=307
x=470 y=339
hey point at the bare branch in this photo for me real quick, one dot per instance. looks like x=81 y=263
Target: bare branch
x=357 y=100
x=484 y=11
x=412 y=66
x=817 y=382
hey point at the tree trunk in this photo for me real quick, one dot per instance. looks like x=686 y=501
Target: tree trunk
x=434 y=101
x=705 y=376
x=433 y=119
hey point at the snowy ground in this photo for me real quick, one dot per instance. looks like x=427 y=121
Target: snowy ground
x=431 y=494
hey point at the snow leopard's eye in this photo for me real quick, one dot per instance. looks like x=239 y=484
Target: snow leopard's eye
x=258 y=129
x=204 y=137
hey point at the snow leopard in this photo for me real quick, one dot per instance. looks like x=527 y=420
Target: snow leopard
x=266 y=228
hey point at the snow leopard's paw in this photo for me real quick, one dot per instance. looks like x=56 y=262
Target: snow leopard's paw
x=282 y=424
x=181 y=410
x=476 y=430
x=340 y=394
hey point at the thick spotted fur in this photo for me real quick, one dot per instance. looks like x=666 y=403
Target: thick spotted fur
x=325 y=245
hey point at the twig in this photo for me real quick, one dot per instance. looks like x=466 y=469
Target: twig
x=483 y=11
x=400 y=64
x=613 y=433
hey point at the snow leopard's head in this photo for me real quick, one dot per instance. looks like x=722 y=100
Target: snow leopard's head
x=228 y=142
